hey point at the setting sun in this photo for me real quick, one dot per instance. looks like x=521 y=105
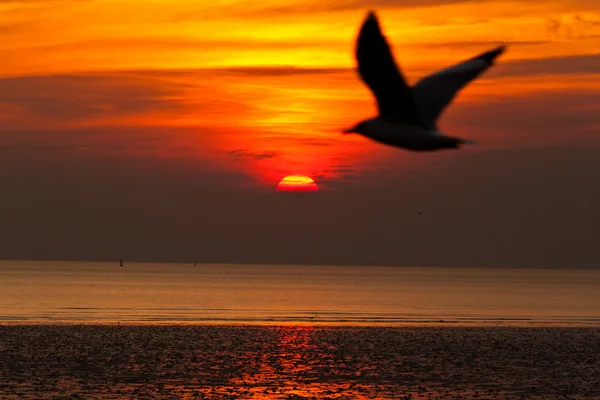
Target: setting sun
x=297 y=183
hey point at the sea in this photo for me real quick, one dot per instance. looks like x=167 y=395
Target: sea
x=56 y=292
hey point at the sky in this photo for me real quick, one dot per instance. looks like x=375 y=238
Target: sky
x=158 y=130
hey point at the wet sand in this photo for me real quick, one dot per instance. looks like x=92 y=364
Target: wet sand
x=294 y=362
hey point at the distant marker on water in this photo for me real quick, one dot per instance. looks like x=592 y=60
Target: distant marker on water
x=121 y=263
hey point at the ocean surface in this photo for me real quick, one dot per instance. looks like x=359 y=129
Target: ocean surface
x=155 y=293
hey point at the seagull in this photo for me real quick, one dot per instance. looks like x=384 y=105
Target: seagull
x=408 y=115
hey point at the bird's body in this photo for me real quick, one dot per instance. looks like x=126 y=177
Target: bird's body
x=407 y=136
x=408 y=115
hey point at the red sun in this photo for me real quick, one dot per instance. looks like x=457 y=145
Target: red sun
x=297 y=183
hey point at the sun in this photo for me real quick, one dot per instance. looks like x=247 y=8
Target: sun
x=297 y=183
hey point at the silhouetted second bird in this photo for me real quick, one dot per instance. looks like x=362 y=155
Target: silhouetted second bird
x=408 y=115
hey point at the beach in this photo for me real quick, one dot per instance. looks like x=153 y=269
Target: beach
x=298 y=362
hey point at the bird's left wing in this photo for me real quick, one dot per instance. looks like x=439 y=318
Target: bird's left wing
x=434 y=92
x=377 y=68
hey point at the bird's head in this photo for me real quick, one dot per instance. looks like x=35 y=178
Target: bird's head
x=358 y=128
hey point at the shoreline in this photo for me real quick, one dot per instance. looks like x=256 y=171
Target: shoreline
x=399 y=325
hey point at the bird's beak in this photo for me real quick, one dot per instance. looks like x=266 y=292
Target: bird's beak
x=349 y=130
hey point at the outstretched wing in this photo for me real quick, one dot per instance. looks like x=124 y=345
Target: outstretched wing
x=434 y=92
x=380 y=73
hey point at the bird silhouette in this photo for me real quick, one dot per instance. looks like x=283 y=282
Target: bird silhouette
x=408 y=115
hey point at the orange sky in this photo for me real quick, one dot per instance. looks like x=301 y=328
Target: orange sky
x=50 y=36
x=236 y=71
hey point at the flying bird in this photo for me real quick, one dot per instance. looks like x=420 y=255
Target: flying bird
x=408 y=115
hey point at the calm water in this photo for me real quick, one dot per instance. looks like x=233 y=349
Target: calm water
x=52 y=292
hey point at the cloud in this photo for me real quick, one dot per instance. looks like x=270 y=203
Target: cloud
x=472 y=44
x=113 y=95
x=146 y=111
x=586 y=64
x=559 y=116
x=314 y=6
x=326 y=6
x=112 y=98
x=76 y=97
x=337 y=176
x=575 y=65
x=573 y=26
x=256 y=156
x=181 y=43
x=316 y=142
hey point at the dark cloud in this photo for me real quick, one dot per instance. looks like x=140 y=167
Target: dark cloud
x=478 y=44
x=324 y=6
x=257 y=156
x=558 y=116
x=75 y=97
x=563 y=67
x=155 y=142
x=103 y=98
x=578 y=27
x=337 y=176
x=316 y=142
x=8 y=28
x=162 y=43
x=341 y=5
x=586 y=21
x=341 y=169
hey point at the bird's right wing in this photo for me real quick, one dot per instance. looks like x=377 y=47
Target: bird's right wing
x=434 y=92
x=377 y=68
